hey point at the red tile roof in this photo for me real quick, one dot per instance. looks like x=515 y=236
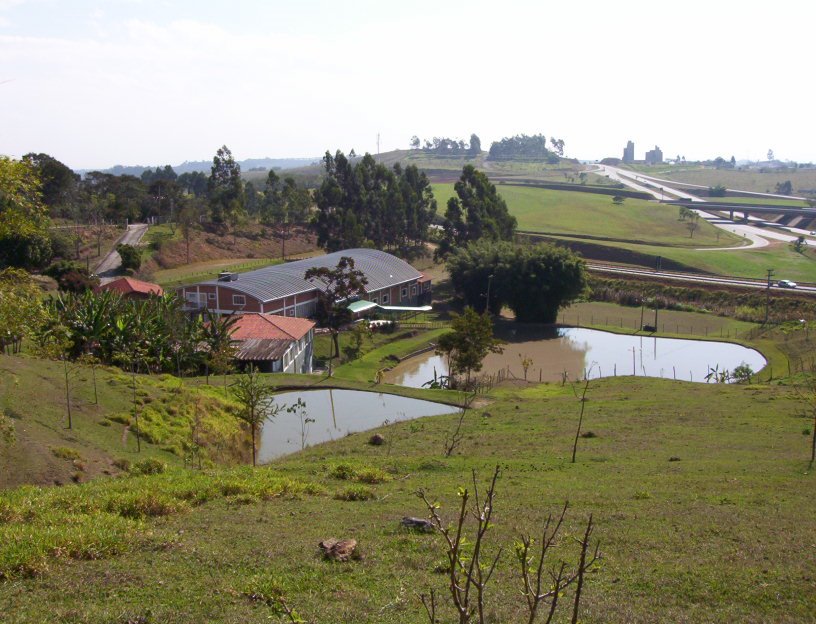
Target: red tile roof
x=253 y=325
x=128 y=285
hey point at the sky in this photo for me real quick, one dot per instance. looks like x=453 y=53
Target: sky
x=152 y=82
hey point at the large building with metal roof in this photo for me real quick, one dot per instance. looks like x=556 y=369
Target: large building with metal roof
x=282 y=288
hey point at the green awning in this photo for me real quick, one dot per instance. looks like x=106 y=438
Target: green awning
x=425 y=308
x=361 y=306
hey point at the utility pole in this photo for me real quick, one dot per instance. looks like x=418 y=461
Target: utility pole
x=378 y=144
x=487 y=304
x=768 y=296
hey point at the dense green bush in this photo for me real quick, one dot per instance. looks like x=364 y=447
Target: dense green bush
x=131 y=257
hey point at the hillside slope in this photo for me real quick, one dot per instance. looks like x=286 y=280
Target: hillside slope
x=701 y=495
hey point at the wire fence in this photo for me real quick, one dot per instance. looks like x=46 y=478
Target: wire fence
x=646 y=323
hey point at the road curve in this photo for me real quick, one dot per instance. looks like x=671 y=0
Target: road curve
x=107 y=268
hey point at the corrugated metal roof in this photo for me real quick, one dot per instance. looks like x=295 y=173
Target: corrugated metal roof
x=284 y=280
x=261 y=349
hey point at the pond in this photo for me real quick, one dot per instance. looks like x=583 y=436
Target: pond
x=578 y=351
x=334 y=414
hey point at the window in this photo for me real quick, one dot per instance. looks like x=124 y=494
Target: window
x=375 y=300
x=238 y=300
x=211 y=296
x=413 y=289
x=385 y=299
x=404 y=293
x=290 y=313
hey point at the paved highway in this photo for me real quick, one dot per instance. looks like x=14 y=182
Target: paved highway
x=695 y=278
x=758 y=237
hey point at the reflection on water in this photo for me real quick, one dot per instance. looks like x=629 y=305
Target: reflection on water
x=579 y=352
x=336 y=413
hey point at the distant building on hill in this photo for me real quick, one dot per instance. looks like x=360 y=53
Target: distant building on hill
x=629 y=153
x=654 y=157
x=131 y=288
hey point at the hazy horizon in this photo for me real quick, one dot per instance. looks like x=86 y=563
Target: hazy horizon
x=152 y=82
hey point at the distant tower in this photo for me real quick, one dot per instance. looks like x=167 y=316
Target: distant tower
x=629 y=152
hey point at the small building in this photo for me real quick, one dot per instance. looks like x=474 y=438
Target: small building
x=274 y=344
x=282 y=288
x=131 y=288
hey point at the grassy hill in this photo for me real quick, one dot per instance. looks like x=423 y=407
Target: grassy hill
x=803 y=180
x=590 y=220
x=441 y=168
x=701 y=495
x=32 y=395
x=572 y=213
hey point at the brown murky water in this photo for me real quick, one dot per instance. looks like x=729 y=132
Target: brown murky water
x=334 y=414
x=581 y=352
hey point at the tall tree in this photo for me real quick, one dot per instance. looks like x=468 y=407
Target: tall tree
x=21 y=309
x=337 y=286
x=24 y=238
x=59 y=183
x=533 y=281
x=224 y=187
x=475 y=145
x=477 y=211
x=187 y=219
x=470 y=340
x=368 y=204
x=257 y=405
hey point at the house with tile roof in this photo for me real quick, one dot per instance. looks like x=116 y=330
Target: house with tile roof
x=132 y=288
x=282 y=289
x=273 y=343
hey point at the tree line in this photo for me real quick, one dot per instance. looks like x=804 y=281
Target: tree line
x=366 y=204
x=39 y=188
x=445 y=146
x=524 y=147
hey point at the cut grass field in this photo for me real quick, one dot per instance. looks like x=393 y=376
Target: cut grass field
x=573 y=213
x=803 y=180
x=701 y=496
x=379 y=351
x=786 y=262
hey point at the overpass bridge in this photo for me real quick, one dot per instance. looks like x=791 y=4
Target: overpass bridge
x=746 y=209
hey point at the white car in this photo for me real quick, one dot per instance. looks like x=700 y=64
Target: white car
x=786 y=284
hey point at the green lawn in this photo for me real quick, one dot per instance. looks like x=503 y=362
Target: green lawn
x=743 y=180
x=573 y=213
x=378 y=351
x=753 y=263
x=701 y=495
